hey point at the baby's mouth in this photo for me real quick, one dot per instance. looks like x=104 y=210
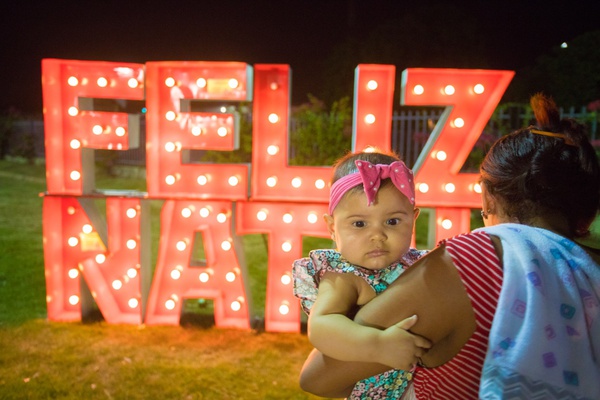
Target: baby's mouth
x=377 y=253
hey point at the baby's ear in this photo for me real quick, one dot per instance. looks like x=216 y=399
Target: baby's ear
x=330 y=226
x=417 y=212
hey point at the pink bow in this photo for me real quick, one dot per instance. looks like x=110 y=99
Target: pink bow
x=371 y=175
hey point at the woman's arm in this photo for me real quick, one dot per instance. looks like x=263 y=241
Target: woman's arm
x=339 y=337
x=431 y=289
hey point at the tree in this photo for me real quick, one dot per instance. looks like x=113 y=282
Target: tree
x=321 y=136
x=571 y=74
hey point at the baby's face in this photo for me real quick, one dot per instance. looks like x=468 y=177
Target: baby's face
x=373 y=236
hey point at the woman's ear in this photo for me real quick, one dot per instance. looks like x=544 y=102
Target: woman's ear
x=330 y=225
x=488 y=203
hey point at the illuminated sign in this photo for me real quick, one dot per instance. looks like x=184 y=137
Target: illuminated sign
x=193 y=106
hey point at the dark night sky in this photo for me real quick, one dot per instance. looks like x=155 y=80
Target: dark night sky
x=299 y=33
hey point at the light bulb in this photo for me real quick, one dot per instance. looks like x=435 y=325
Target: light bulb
x=369 y=119
x=286 y=279
x=271 y=181
x=133 y=83
x=230 y=276
x=203 y=277
x=286 y=246
x=459 y=122
x=449 y=187
x=284 y=309
x=233 y=181
x=169 y=82
x=102 y=82
x=446 y=224
x=262 y=215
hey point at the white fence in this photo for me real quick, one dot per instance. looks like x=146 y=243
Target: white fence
x=410 y=130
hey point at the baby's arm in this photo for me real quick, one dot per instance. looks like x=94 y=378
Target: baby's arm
x=337 y=336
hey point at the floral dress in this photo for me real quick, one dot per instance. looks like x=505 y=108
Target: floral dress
x=307 y=273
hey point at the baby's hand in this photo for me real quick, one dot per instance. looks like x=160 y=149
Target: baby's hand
x=399 y=348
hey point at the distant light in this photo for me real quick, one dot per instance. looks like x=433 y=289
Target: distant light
x=564 y=45
x=418 y=90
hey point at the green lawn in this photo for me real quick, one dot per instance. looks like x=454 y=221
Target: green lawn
x=95 y=360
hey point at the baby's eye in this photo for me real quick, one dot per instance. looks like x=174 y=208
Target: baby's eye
x=359 y=224
x=393 y=221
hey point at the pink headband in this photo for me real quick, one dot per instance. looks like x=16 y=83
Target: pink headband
x=371 y=176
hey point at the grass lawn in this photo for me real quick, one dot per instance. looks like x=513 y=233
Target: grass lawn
x=95 y=360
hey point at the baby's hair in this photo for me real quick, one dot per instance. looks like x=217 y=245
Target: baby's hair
x=549 y=170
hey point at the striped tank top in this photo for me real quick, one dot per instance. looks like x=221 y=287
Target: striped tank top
x=474 y=256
